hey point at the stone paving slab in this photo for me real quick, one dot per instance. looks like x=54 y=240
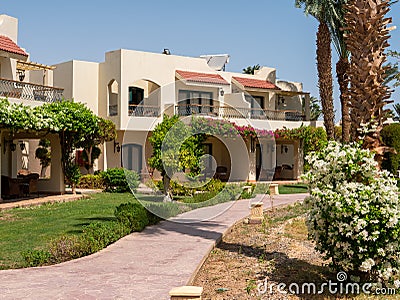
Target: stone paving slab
x=143 y=266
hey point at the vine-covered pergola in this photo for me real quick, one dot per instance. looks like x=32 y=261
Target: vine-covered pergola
x=75 y=125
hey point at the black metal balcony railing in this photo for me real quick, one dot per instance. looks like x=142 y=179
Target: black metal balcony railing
x=29 y=91
x=239 y=112
x=144 y=111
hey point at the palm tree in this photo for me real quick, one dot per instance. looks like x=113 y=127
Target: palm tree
x=366 y=38
x=397 y=111
x=324 y=11
x=251 y=69
x=342 y=66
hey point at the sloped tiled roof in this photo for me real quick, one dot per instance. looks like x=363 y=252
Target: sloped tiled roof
x=255 y=83
x=201 y=77
x=6 y=44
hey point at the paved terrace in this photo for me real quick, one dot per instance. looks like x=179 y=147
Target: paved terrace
x=141 y=266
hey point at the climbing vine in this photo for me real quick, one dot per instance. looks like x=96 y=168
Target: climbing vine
x=75 y=124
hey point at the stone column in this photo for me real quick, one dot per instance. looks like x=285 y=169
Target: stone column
x=252 y=159
x=56 y=182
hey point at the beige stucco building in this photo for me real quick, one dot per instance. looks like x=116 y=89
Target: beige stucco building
x=22 y=81
x=135 y=89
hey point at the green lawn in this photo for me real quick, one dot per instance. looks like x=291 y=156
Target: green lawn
x=293 y=188
x=32 y=228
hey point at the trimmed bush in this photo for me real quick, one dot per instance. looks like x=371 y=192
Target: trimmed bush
x=34 y=258
x=119 y=180
x=66 y=248
x=97 y=236
x=132 y=215
x=177 y=189
x=91 y=182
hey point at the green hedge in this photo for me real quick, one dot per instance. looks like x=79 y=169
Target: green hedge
x=391 y=137
x=91 y=182
x=119 y=180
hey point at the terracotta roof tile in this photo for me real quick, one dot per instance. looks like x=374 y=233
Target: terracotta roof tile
x=6 y=44
x=202 y=77
x=256 y=83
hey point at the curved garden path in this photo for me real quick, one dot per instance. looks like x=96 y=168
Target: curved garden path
x=143 y=265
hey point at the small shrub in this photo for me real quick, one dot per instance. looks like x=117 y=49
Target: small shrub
x=34 y=258
x=119 y=180
x=73 y=174
x=132 y=215
x=200 y=197
x=177 y=189
x=65 y=248
x=91 y=182
x=97 y=236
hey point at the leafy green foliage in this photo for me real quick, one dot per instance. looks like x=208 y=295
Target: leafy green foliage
x=76 y=125
x=43 y=153
x=175 y=148
x=35 y=258
x=73 y=173
x=251 y=69
x=90 y=181
x=315 y=109
x=390 y=136
x=132 y=215
x=313 y=138
x=119 y=180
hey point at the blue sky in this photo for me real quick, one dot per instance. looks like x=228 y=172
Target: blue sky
x=265 y=32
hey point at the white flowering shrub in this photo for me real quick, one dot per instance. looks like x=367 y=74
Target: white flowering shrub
x=354 y=211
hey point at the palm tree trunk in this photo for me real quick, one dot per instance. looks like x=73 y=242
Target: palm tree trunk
x=325 y=81
x=342 y=68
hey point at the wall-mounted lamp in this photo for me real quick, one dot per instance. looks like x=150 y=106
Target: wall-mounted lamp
x=22 y=145
x=117 y=147
x=13 y=146
x=281 y=100
x=252 y=144
x=221 y=92
x=284 y=148
x=21 y=75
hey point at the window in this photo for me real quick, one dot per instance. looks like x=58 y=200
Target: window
x=113 y=98
x=257 y=105
x=195 y=102
x=136 y=95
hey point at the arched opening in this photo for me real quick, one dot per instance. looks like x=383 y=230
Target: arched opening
x=144 y=98
x=113 y=91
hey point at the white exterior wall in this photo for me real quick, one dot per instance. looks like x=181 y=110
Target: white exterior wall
x=9 y=27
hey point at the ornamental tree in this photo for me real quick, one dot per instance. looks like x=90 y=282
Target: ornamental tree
x=175 y=148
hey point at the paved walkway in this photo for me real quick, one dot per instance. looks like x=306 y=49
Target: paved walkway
x=141 y=266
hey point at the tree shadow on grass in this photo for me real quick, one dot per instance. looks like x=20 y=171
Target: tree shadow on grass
x=287 y=270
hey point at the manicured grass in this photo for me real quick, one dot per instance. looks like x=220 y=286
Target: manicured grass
x=32 y=228
x=293 y=188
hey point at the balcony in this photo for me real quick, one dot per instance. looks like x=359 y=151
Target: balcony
x=239 y=112
x=29 y=91
x=144 y=111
